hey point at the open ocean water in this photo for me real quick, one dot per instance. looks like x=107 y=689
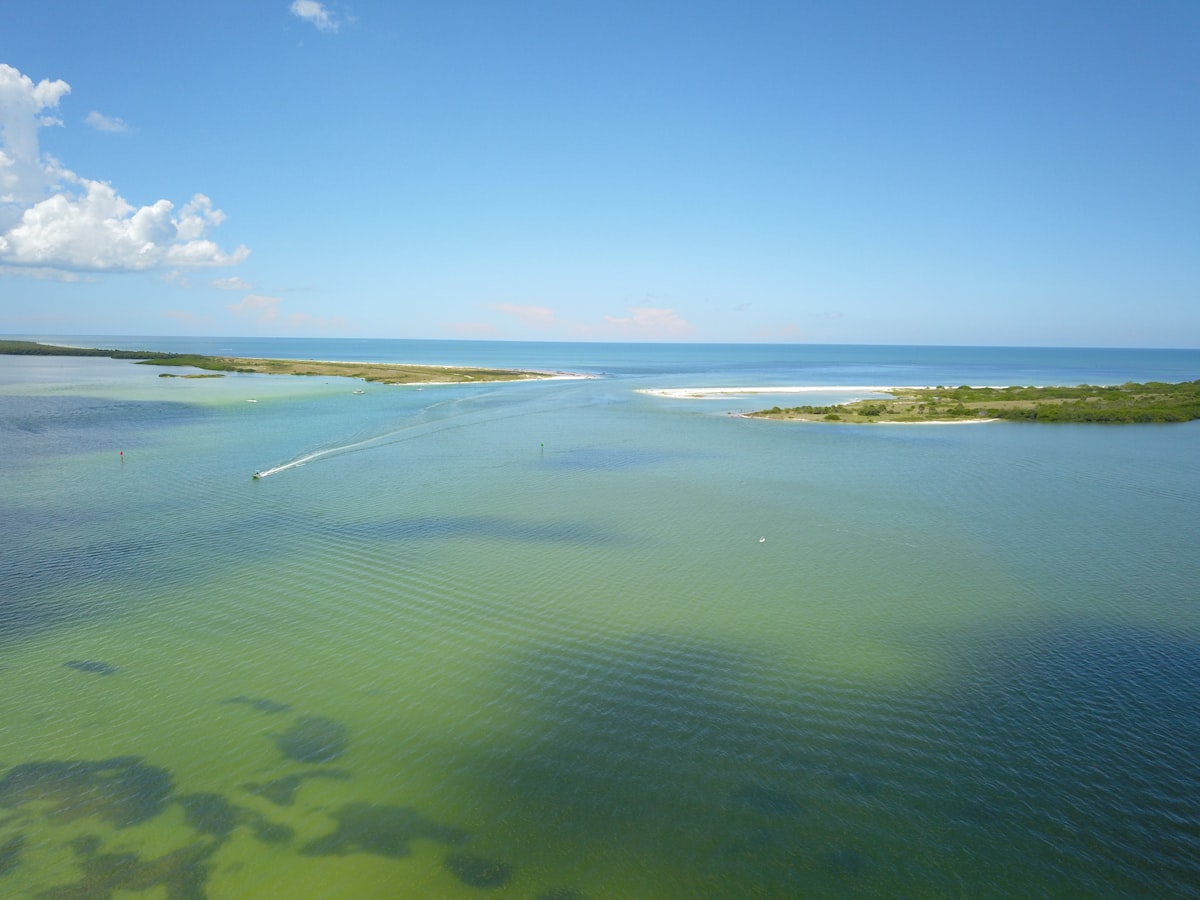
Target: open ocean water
x=562 y=639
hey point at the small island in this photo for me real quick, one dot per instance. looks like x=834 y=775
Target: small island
x=1114 y=404
x=384 y=373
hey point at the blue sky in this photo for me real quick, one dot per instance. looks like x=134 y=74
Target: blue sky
x=1022 y=173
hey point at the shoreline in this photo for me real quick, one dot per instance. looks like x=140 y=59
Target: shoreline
x=819 y=421
x=525 y=375
x=373 y=372
x=377 y=373
x=708 y=393
x=1127 y=403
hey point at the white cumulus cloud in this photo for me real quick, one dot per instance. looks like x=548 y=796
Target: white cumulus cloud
x=22 y=174
x=233 y=283
x=53 y=219
x=314 y=13
x=101 y=122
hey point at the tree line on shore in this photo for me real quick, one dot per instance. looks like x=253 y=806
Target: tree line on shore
x=32 y=348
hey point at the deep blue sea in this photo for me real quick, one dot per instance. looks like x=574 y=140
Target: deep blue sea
x=569 y=639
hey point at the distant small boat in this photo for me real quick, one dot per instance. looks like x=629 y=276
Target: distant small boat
x=359 y=391
x=251 y=401
x=256 y=475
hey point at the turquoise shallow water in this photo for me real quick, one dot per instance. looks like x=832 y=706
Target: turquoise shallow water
x=528 y=640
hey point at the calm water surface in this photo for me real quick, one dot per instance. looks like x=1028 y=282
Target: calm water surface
x=565 y=639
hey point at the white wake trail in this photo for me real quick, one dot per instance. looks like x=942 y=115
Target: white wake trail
x=309 y=457
x=411 y=430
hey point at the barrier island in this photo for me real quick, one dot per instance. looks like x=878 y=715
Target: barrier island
x=384 y=373
x=1114 y=404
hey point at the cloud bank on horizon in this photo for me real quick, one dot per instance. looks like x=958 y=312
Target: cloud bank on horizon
x=53 y=221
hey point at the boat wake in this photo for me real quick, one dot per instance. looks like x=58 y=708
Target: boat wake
x=309 y=457
x=446 y=414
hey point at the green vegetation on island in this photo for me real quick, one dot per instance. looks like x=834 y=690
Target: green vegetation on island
x=33 y=348
x=1114 y=404
x=386 y=373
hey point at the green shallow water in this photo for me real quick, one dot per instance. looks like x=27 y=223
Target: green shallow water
x=543 y=646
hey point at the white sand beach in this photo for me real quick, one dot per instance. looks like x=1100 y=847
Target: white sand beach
x=708 y=393
x=856 y=392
